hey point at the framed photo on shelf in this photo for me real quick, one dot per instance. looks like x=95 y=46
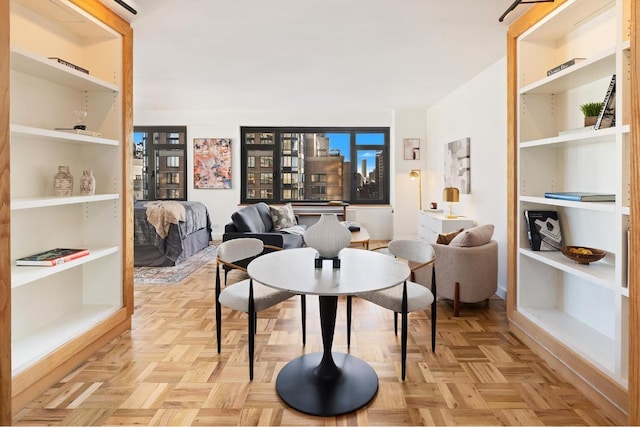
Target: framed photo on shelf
x=412 y=148
x=211 y=163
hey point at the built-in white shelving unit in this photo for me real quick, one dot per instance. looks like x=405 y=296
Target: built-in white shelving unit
x=574 y=311
x=74 y=305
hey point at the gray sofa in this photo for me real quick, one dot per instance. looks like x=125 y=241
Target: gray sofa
x=255 y=221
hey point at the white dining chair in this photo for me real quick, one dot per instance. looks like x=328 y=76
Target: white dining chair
x=408 y=296
x=247 y=295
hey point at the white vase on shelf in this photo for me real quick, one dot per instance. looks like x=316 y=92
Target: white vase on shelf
x=63 y=182
x=87 y=183
x=327 y=236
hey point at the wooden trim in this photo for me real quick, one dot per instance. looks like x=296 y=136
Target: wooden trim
x=597 y=386
x=5 y=223
x=34 y=380
x=634 y=244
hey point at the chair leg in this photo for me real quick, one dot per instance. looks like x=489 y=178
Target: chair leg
x=252 y=331
x=303 y=305
x=218 y=309
x=395 y=323
x=405 y=324
x=434 y=305
x=456 y=300
x=349 y=308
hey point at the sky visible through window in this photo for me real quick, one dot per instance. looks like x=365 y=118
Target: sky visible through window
x=340 y=141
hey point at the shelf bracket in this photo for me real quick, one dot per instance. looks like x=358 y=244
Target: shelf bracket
x=517 y=3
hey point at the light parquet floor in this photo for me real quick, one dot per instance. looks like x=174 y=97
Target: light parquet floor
x=166 y=370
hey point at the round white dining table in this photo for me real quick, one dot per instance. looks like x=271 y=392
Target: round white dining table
x=327 y=383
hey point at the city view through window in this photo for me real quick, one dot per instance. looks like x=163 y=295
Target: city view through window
x=315 y=164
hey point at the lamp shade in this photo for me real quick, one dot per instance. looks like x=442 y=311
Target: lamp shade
x=451 y=194
x=415 y=173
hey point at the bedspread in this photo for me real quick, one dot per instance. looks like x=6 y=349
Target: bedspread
x=196 y=217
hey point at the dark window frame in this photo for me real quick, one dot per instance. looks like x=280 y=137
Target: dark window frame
x=277 y=156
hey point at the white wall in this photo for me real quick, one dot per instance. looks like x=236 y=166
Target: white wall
x=216 y=124
x=476 y=110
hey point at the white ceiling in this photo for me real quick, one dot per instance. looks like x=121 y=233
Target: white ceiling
x=310 y=54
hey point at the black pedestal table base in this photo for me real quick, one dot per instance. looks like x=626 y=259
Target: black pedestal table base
x=301 y=387
x=327 y=384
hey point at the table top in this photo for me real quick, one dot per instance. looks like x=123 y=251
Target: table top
x=360 y=236
x=360 y=271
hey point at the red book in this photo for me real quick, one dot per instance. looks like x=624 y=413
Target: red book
x=52 y=257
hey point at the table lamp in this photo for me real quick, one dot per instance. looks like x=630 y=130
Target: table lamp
x=417 y=174
x=451 y=195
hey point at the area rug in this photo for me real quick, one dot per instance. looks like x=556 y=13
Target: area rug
x=173 y=275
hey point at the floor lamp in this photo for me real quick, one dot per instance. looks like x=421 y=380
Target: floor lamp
x=451 y=195
x=417 y=174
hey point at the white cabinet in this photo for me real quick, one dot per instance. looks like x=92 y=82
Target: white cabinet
x=573 y=310
x=73 y=305
x=430 y=224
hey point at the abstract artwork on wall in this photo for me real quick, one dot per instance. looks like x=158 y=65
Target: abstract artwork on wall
x=457 y=165
x=211 y=163
x=412 y=148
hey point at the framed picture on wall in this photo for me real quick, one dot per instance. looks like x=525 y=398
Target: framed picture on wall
x=211 y=163
x=457 y=165
x=412 y=148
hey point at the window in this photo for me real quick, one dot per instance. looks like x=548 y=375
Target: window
x=159 y=162
x=315 y=164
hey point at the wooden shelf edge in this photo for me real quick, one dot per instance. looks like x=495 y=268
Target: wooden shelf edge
x=595 y=385
x=32 y=382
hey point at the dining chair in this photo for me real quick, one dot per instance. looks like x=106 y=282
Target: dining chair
x=408 y=296
x=246 y=296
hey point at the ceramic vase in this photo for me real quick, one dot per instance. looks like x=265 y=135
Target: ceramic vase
x=63 y=182
x=328 y=236
x=87 y=183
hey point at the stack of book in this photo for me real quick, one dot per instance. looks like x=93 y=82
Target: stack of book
x=52 y=257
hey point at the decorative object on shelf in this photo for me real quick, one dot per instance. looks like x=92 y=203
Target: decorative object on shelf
x=52 y=257
x=81 y=116
x=417 y=174
x=212 y=163
x=433 y=206
x=564 y=65
x=63 y=182
x=69 y=64
x=578 y=196
x=607 y=116
x=591 y=110
x=451 y=195
x=543 y=230
x=87 y=183
x=583 y=254
x=412 y=148
x=457 y=165
x=328 y=236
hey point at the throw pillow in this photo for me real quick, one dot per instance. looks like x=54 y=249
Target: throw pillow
x=282 y=217
x=445 y=239
x=476 y=236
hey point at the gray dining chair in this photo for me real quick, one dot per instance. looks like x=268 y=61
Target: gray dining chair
x=247 y=295
x=408 y=296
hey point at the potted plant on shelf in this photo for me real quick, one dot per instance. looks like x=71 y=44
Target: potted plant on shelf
x=591 y=110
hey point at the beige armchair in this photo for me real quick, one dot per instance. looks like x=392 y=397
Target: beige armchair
x=465 y=274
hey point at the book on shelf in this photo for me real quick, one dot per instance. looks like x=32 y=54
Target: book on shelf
x=543 y=230
x=607 y=116
x=52 y=257
x=578 y=196
x=564 y=65
x=80 y=132
x=69 y=64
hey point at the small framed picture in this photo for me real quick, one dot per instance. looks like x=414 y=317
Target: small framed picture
x=412 y=148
